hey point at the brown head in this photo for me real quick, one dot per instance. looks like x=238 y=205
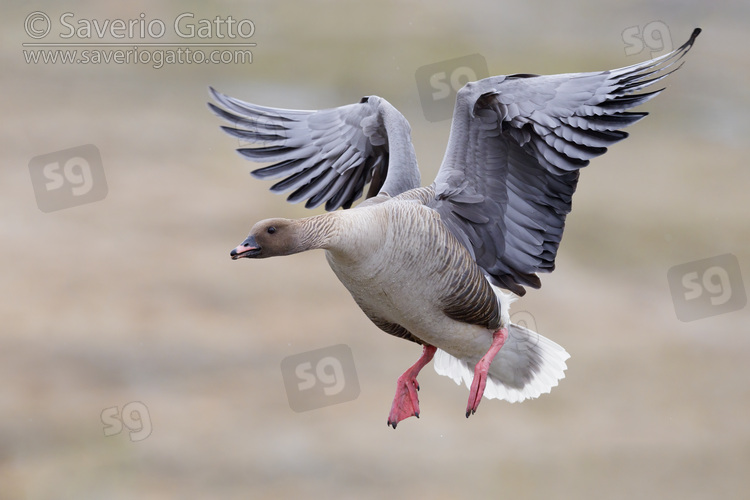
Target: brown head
x=269 y=238
x=274 y=237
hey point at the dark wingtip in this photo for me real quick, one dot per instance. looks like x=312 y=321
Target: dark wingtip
x=691 y=40
x=216 y=96
x=214 y=93
x=214 y=109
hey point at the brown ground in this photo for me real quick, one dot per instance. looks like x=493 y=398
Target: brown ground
x=134 y=298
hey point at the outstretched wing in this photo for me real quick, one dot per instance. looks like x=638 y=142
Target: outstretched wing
x=326 y=156
x=517 y=144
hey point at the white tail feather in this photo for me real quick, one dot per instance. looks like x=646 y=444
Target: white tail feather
x=527 y=366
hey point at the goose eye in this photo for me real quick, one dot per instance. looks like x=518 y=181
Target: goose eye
x=271 y=230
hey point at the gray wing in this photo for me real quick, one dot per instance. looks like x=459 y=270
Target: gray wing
x=512 y=163
x=326 y=156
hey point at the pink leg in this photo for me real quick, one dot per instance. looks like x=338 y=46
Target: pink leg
x=406 y=403
x=480 y=371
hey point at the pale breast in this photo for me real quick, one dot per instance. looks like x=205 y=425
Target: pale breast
x=410 y=271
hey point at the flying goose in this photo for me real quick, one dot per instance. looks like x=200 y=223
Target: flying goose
x=432 y=264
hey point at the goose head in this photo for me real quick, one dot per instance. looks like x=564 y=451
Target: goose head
x=274 y=237
x=270 y=238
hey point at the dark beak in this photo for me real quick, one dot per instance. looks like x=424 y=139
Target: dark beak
x=248 y=248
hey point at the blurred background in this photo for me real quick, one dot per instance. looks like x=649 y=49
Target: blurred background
x=138 y=361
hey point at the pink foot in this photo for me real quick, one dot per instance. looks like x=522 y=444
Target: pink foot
x=481 y=369
x=406 y=402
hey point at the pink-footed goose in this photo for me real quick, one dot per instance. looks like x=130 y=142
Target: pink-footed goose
x=427 y=264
